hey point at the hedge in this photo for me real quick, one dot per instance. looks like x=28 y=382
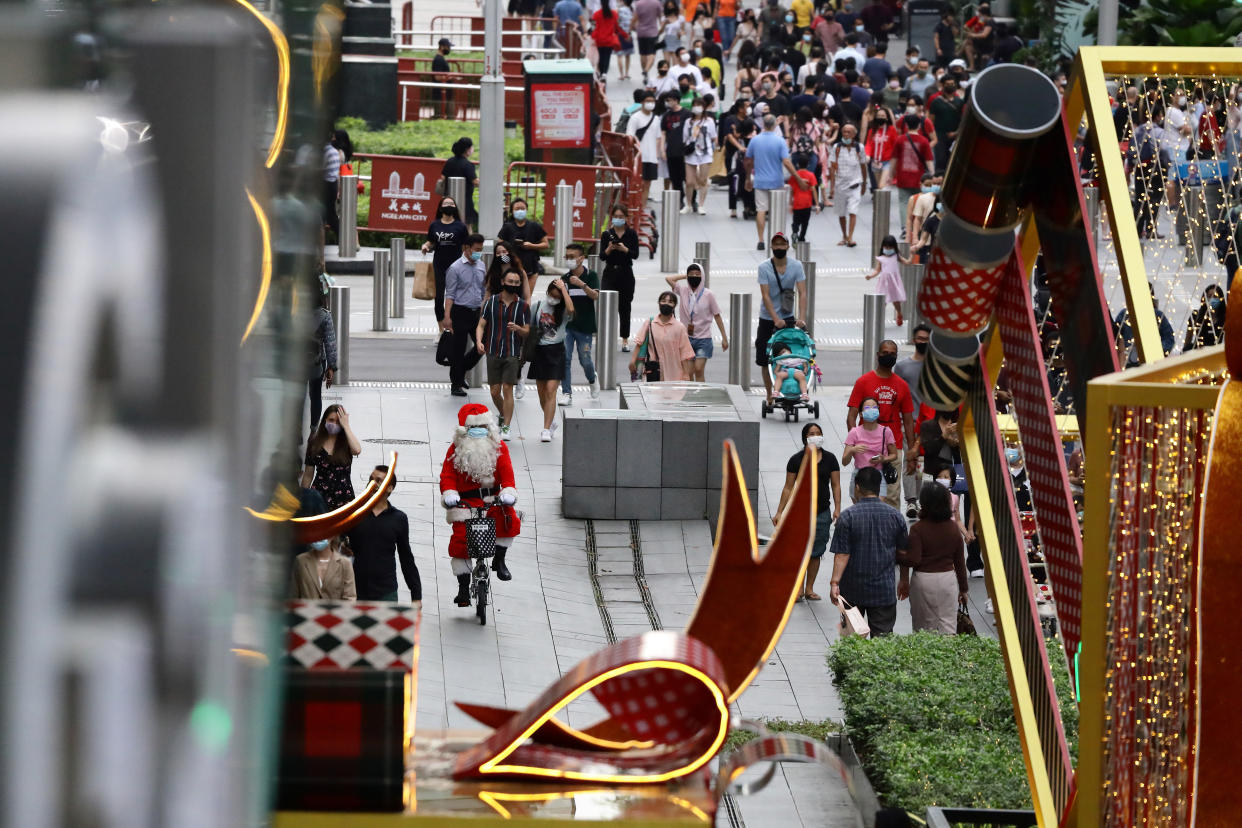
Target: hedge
x=931 y=719
x=805 y=727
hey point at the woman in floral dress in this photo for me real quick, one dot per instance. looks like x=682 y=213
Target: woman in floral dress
x=330 y=455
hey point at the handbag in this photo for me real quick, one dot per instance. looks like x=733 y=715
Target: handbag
x=889 y=470
x=444 y=349
x=530 y=344
x=718 y=165
x=424 y=281
x=852 y=621
x=647 y=366
x=965 y=626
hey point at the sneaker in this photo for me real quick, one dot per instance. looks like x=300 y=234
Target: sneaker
x=685 y=210
x=988 y=607
x=595 y=388
x=566 y=399
x=625 y=349
x=976 y=573
x=504 y=432
x=545 y=436
x=458 y=391
x=759 y=246
x=552 y=428
x=519 y=390
x=702 y=211
x=912 y=510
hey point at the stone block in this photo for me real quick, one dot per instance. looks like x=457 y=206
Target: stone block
x=683 y=460
x=582 y=502
x=638 y=504
x=682 y=503
x=591 y=445
x=638 y=454
x=745 y=437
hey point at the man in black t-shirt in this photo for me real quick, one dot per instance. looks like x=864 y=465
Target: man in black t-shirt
x=672 y=143
x=378 y=543
x=946 y=38
x=527 y=235
x=440 y=66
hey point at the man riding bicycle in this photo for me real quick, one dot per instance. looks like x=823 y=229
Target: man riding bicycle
x=477 y=472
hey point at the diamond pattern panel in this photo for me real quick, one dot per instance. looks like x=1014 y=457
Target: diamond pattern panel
x=352 y=636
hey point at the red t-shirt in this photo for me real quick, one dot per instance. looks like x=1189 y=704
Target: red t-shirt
x=926 y=412
x=911 y=152
x=892 y=394
x=802 y=199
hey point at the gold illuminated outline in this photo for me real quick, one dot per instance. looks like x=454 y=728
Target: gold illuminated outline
x=282 y=82
x=330 y=524
x=494 y=798
x=265 y=274
x=494 y=766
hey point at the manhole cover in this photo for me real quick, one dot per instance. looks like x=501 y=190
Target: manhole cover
x=391 y=442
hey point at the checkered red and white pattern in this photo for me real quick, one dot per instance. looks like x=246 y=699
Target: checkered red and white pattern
x=1059 y=531
x=351 y=635
x=955 y=299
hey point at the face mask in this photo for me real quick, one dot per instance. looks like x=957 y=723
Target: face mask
x=871 y=414
x=893 y=84
x=698 y=52
x=789 y=18
x=779 y=252
x=648 y=106
x=511 y=288
x=448 y=212
x=920 y=347
x=847 y=141
x=572 y=264
x=858 y=27
x=1011 y=455
x=332 y=428
x=476 y=431
x=319 y=545
x=921 y=73
x=936 y=189
x=476 y=255
x=927 y=189
x=618 y=222
x=697 y=110
x=943 y=481
x=553 y=301
x=806 y=38
x=684 y=57
x=886 y=360
x=684 y=90
x=504 y=257
x=912 y=110
x=767 y=86
x=815 y=440
x=520 y=215
x=887 y=251
x=881 y=124
x=695 y=281
x=667 y=310
x=1181 y=101
x=912 y=60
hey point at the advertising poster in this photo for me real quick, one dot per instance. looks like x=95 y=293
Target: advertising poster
x=403 y=198
x=582 y=179
x=560 y=115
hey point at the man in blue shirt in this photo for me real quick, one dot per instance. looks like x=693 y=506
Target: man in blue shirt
x=782 y=300
x=865 y=544
x=767 y=162
x=878 y=68
x=463 y=296
x=567 y=12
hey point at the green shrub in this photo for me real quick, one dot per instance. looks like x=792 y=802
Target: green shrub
x=803 y=727
x=931 y=718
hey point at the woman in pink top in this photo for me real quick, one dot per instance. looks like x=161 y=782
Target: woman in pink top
x=869 y=443
x=697 y=308
x=668 y=342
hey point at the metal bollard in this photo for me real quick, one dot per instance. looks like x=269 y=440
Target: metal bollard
x=802 y=251
x=809 y=268
x=670 y=235
x=593 y=263
x=873 y=328
x=380 y=281
x=778 y=215
x=347 y=240
x=912 y=278
x=396 y=272
x=740 y=342
x=338 y=303
x=1193 y=235
x=881 y=207
x=1213 y=212
x=475 y=377
x=1091 y=195
x=455 y=188
x=564 y=222
x=703 y=255
x=609 y=324
x=489 y=252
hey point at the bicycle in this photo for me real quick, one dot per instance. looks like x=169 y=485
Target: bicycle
x=480 y=545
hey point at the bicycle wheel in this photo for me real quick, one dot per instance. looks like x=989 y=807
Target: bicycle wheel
x=481 y=603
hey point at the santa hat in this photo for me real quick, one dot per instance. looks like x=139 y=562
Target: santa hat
x=474 y=414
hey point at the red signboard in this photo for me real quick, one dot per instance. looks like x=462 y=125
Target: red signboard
x=403 y=197
x=560 y=115
x=582 y=179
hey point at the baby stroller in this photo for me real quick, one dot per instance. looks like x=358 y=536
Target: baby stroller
x=785 y=394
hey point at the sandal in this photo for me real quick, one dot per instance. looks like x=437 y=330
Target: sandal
x=851 y=244
x=811 y=596
x=843 y=243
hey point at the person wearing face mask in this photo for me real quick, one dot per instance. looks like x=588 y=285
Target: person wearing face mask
x=980 y=38
x=738 y=140
x=913 y=158
x=663 y=344
x=583 y=285
x=505 y=258
x=772 y=19
x=527 y=235
x=645 y=128
x=918 y=207
x=906 y=69
x=501 y=322
x=909 y=369
x=870 y=444
x=895 y=405
x=699 y=141
x=946 y=116
x=445 y=236
x=697 y=308
x=828 y=500
x=848 y=181
x=463 y=296
x=782 y=301
x=323 y=573
x=1017 y=476
x=330 y=454
x=460 y=166
x=1206 y=325
x=549 y=321
x=685 y=68
x=888 y=274
x=828 y=32
x=935 y=554
x=619 y=246
x=673 y=29
x=672 y=144
x=945 y=37
x=767 y=162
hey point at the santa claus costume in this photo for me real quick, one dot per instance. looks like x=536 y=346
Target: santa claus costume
x=478 y=466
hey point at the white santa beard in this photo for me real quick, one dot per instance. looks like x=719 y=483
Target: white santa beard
x=476 y=457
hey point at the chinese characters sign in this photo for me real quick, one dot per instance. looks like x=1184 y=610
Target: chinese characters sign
x=402 y=193
x=560 y=115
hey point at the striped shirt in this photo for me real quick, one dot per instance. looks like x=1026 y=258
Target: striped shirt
x=497 y=316
x=871 y=532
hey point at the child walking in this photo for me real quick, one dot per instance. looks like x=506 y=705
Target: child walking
x=800 y=200
x=886 y=269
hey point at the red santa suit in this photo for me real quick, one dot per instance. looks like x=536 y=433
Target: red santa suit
x=475 y=463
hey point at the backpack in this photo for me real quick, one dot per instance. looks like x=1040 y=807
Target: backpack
x=622 y=122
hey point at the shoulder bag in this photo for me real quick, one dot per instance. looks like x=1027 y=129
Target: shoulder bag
x=530 y=345
x=648 y=367
x=889 y=469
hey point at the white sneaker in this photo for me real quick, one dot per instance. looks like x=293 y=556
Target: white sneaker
x=566 y=399
x=988 y=607
x=545 y=436
x=504 y=432
x=685 y=210
x=519 y=390
x=552 y=428
x=595 y=388
x=702 y=211
x=976 y=573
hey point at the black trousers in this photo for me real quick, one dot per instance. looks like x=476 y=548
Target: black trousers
x=465 y=355
x=315 y=390
x=738 y=191
x=677 y=175
x=440 y=274
x=880 y=619
x=605 y=58
x=622 y=281
x=801 y=220
x=330 y=218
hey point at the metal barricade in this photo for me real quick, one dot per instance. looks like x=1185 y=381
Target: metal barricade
x=451 y=96
x=740 y=343
x=529 y=180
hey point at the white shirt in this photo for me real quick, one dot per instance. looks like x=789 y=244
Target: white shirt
x=845 y=52
x=1174 y=141
x=696 y=77
x=648 y=145
x=700 y=150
